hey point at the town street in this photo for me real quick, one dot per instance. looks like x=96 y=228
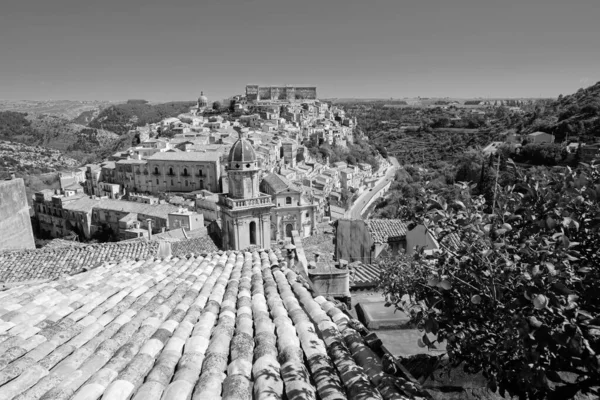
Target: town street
x=357 y=208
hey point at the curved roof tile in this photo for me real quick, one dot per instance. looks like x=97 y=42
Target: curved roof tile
x=230 y=325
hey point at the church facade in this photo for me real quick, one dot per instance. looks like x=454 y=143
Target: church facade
x=245 y=211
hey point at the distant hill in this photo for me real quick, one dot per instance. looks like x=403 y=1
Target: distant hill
x=120 y=118
x=52 y=132
x=67 y=109
x=573 y=116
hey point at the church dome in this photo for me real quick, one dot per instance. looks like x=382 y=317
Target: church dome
x=242 y=152
x=202 y=100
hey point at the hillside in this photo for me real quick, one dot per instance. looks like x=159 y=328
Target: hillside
x=20 y=158
x=67 y=109
x=53 y=132
x=120 y=118
x=575 y=115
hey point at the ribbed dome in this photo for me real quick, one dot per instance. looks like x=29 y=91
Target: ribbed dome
x=202 y=100
x=242 y=152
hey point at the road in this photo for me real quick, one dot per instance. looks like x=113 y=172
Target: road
x=357 y=208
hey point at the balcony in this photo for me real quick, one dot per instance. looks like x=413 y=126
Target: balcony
x=239 y=204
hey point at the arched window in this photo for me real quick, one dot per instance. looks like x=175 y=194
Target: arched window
x=156 y=170
x=200 y=173
x=252 y=232
x=170 y=171
x=185 y=172
x=288 y=200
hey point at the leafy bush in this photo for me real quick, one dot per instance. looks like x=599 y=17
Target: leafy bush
x=515 y=292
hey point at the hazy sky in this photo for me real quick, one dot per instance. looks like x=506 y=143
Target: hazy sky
x=173 y=49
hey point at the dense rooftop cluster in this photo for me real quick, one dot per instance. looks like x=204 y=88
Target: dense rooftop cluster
x=228 y=325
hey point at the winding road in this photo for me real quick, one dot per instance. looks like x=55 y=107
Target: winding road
x=357 y=208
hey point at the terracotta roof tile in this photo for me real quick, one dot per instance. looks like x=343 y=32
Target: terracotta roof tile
x=382 y=229
x=230 y=325
x=197 y=246
x=52 y=263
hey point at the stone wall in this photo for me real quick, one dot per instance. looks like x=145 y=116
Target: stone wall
x=353 y=241
x=15 y=223
x=264 y=93
x=284 y=93
x=252 y=92
x=306 y=93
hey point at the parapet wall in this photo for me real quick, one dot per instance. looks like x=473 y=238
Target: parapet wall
x=15 y=223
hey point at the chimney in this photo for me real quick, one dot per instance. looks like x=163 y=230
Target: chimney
x=149 y=228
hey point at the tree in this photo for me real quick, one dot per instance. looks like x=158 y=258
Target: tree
x=216 y=105
x=514 y=292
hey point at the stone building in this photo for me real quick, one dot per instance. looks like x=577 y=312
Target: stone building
x=59 y=215
x=280 y=93
x=293 y=211
x=245 y=212
x=178 y=172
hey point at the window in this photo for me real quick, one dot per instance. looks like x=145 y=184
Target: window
x=307 y=215
x=252 y=232
x=185 y=174
x=156 y=172
x=170 y=171
x=186 y=182
x=200 y=173
x=172 y=182
x=157 y=181
x=288 y=200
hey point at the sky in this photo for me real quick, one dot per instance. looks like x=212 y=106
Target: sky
x=173 y=49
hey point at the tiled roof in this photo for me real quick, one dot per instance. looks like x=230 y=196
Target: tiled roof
x=277 y=182
x=197 y=246
x=381 y=229
x=24 y=265
x=364 y=275
x=226 y=326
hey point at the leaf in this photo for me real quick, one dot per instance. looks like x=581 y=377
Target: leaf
x=476 y=299
x=420 y=343
x=445 y=285
x=550 y=223
x=561 y=288
x=426 y=340
x=540 y=301
x=433 y=281
x=551 y=268
x=460 y=204
x=553 y=376
x=508 y=227
x=534 y=322
x=572 y=298
x=535 y=270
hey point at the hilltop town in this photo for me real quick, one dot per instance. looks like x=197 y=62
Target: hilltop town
x=188 y=166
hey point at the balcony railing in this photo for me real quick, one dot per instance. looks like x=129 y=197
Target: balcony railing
x=237 y=204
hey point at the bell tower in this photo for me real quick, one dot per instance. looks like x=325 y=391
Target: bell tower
x=246 y=213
